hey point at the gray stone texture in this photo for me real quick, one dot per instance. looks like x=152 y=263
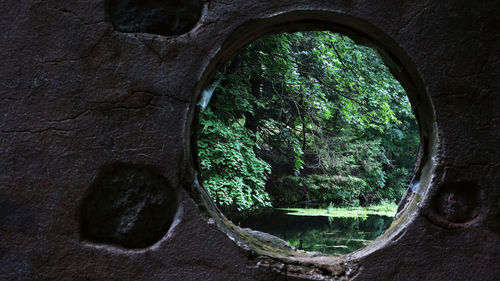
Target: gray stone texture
x=80 y=91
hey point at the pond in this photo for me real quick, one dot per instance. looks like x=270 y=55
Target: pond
x=325 y=234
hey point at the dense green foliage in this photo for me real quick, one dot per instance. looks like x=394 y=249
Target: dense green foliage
x=235 y=176
x=306 y=117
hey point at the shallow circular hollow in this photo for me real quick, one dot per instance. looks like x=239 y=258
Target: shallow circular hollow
x=129 y=206
x=401 y=67
x=166 y=17
x=456 y=204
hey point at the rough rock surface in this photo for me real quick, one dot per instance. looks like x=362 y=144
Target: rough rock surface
x=84 y=87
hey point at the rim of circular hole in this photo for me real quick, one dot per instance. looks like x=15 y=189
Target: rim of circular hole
x=363 y=33
x=102 y=172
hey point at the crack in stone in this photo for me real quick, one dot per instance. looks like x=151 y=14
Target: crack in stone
x=469 y=165
x=61 y=60
x=150 y=47
x=66 y=11
x=417 y=14
x=35 y=131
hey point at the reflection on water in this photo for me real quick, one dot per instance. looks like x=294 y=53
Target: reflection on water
x=324 y=234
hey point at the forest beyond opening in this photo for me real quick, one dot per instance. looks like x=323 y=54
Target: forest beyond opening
x=306 y=119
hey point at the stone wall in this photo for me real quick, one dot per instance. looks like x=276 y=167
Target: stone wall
x=97 y=156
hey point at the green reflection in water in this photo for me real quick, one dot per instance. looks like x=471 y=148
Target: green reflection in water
x=329 y=235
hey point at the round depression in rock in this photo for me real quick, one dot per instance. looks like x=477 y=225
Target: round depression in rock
x=129 y=206
x=458 y=202
x=163 y=17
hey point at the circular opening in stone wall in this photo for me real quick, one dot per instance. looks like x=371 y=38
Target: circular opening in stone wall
x=308 y=136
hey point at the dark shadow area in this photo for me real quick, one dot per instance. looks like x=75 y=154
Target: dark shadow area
x=457 y=202
x=167 y=17
x=128 y=206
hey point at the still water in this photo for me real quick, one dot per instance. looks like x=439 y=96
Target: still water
x=324 y=234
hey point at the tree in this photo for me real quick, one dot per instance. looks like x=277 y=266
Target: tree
x=322 y=113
